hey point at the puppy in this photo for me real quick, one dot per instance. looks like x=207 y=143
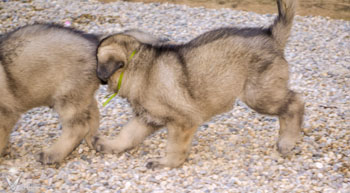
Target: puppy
x=183 y=85
x=50 y=65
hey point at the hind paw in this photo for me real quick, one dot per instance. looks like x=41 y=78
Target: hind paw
x=49 y=158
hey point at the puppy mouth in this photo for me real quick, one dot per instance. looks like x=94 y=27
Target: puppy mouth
x=103 y=82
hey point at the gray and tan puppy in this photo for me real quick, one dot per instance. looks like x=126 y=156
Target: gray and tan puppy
x=50 y=65
x=182 y=86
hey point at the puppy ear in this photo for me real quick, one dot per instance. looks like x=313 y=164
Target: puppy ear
x=101 y=37
x=121 y=40
x=145 y=37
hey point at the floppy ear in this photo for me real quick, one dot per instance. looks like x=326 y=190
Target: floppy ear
x=113 y=53
x=144 y=37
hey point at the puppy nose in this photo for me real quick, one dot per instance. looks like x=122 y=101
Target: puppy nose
x=102 y=74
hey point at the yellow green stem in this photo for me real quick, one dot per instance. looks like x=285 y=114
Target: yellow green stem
x=119 y=82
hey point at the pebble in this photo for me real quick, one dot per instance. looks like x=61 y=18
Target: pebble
x=233 y=152
x=319 y=165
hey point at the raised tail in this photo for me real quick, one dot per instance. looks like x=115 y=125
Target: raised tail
x=283 y=23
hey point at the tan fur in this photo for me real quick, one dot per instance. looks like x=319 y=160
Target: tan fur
x=181 y=86
x=48 y=65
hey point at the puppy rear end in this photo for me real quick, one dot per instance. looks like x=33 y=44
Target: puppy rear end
x=49 y=65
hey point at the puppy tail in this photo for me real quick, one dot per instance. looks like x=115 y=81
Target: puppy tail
x=283 y=23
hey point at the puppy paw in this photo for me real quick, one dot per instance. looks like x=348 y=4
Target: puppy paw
x=48 y=158
x=162 y=163
x=5 y=152
x=101 y=145
x=152 y=164
x=96 y=143
x=285 y=146
x=89 y=141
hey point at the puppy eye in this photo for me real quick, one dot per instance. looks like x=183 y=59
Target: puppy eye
x=119 y=64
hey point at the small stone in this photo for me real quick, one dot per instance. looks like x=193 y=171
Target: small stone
x=319 y=165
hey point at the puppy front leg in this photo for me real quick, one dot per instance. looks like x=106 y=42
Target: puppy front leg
x=178 y=147
x=94 y=123
x=131 y=135
x=7 y=121
x=75 y=126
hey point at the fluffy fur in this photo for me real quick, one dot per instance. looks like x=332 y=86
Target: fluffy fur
x=180 y=86
x=50 y=65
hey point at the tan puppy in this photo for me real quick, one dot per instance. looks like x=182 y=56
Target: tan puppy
x=50 y=65
x=181 y=86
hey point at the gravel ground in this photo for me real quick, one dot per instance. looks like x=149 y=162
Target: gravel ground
x=234 y=152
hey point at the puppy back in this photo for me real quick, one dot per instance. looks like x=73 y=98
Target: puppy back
x=44 y=60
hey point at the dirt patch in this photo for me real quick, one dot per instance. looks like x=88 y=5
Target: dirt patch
x=336 y=9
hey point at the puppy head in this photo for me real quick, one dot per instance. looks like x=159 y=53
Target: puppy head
x=113 y=55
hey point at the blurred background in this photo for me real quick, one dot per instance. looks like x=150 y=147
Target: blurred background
x=336 y=9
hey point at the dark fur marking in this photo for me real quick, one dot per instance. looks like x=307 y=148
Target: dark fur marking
x=154 y=125
x=125 y=44
x=186 y=82
x=150 y=165
x=11 y=82
x=2 y=58
x=80 y=119
x=177 y=111
x=213 y=35
x=41 y=157
x=222 y=33
x=264 y=65
x=4 y=111
x=94 y=140
x=147 y=69
x=260 y=63
x=5 y=62
x=63 y=101
x=141 y=112
x=82 y=60
x=301 y=115
x=177 y=50
x=285 y=107
x=255 y=59
x=165 y=47
x=281 y=14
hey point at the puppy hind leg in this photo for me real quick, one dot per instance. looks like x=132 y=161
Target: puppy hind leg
x=7 y=122
x=131 y=135
x=288 y=106
x=94 y=123
x=291 y=120
x=178 y=147
x=75 y=126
